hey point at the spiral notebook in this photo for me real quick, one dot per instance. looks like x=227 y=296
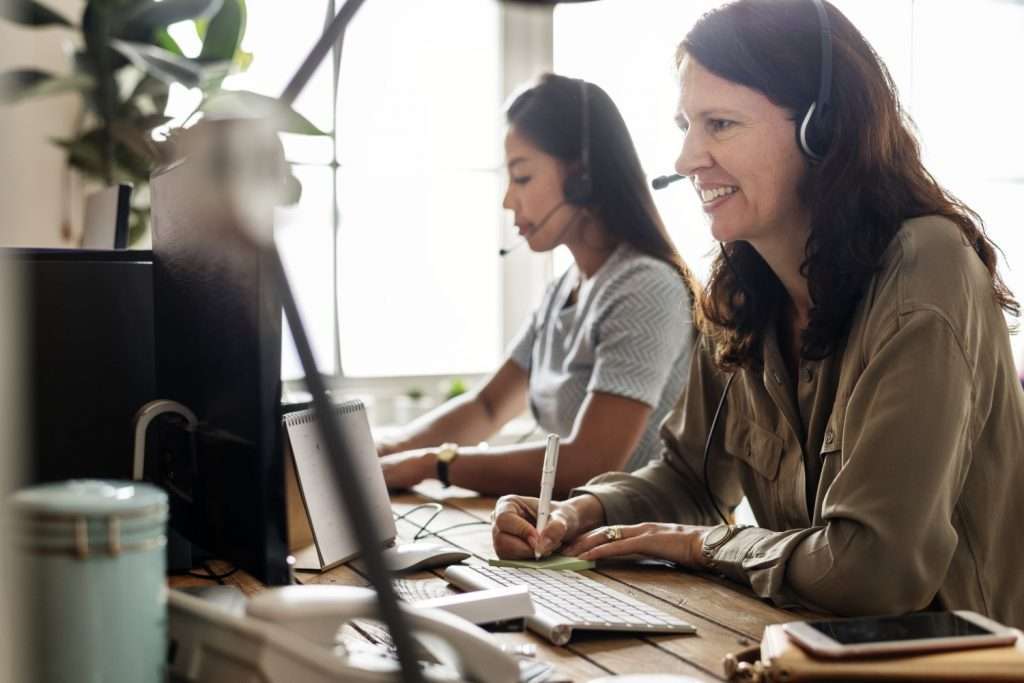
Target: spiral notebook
x=319 y=533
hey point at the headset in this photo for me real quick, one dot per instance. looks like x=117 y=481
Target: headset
x=579 y=185
x=813 y=133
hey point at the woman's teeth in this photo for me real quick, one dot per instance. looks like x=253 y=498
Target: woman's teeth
x=711 y=195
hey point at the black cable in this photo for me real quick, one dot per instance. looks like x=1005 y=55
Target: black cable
x=424 y=529
x=707 y=447
x=424 y=532
x=210 y=575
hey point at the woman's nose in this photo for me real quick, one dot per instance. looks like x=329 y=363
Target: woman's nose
x=694 y=155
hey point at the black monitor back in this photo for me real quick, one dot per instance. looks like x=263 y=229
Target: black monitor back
x=90 y=358
x=218 y=351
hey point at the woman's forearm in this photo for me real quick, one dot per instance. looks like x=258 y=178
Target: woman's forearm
x=517 y=469
x=464 y=419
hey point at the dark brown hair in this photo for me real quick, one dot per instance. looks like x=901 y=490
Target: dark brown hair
x=870 y=180
x=549 y=115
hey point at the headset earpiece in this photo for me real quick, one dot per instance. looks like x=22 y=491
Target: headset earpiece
x=813 y=133
x=579 y=186
x=578 y=189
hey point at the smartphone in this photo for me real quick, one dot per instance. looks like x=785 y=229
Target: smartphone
x=917 y=632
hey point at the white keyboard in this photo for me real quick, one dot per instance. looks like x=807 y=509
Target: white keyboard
x=566 y=600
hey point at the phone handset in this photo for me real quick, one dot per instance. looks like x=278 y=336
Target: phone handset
x=317 y=612
x=293 y=639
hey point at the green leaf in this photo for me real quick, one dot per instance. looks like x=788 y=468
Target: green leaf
x=213 y=75
x=23 y=84
x=85 y=153
x=245 y=103
x=163 y=39
x=223 y=33
x=155 y=61
x=148 y=17
x=137 y=142
x=30 y=13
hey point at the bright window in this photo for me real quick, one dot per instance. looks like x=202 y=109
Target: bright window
x=420 y=189
x=392 y=250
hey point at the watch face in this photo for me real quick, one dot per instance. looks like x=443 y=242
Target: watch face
x=448 y=452
x=716 y=536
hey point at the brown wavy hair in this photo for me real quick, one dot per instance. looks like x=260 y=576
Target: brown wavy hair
x=549 y=115
x=870 y=180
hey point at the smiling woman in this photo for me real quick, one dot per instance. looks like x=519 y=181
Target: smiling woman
x=874 y=417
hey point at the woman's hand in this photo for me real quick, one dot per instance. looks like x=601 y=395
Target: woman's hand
x=516 y=538
x=679 y=543
x=405 y=470
x=387 y=448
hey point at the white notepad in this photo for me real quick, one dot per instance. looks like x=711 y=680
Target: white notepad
x=334 y=541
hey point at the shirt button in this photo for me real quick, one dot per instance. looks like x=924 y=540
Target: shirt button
x=830 y=436
x=808 y=374
x=777 y=376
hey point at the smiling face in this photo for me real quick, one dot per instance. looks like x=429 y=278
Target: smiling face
x=535 y=192
x=740 y=153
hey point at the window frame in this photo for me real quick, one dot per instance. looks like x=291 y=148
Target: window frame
x=527 y=49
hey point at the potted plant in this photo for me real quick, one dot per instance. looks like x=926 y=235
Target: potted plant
x=124 y=62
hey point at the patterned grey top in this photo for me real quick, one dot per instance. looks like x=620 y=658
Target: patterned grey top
x=630 y=333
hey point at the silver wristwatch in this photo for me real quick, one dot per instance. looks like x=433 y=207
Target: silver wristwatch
x=719 y=536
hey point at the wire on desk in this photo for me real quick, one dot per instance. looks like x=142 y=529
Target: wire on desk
x=424 y=529
x=211 y=575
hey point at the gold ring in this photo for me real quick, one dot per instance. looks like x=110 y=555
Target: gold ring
x=613 y=533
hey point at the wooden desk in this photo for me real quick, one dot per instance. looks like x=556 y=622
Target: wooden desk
x=727 y=617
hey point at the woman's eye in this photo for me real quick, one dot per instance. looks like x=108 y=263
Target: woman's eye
x=521 y=180
x=719 y=125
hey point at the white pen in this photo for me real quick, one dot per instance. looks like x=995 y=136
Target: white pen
x=547 y=485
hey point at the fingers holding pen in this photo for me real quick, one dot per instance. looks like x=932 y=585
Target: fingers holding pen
x=515 y=535
x=512 y=527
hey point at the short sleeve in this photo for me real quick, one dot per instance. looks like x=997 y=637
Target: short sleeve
x=642 y=327
x=521 y=348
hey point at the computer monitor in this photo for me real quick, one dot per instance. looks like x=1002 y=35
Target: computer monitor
x=217 y=314
x=89 y=358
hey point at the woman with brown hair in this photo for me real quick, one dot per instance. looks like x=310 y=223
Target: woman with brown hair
x=854 y=379
x=603 y=358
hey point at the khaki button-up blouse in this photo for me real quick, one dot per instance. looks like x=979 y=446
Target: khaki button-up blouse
x=885 y=478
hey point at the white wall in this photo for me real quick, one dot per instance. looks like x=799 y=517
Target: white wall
x=32 y=178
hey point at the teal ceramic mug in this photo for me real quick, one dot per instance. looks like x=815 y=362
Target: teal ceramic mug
x=94 y=571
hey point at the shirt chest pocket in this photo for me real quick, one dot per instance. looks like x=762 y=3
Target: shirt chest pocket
x=756 y=446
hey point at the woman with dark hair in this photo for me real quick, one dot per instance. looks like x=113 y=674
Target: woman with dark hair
x=602 y=360
x=854 y=379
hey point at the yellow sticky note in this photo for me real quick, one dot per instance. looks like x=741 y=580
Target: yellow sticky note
x=562 y=562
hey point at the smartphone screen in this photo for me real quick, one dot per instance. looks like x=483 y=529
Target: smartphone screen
x=918 y=626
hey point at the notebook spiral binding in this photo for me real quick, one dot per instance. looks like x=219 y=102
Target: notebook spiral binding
x=309 y=415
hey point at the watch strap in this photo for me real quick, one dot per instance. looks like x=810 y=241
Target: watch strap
x=708 y=549
x=446 y=455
